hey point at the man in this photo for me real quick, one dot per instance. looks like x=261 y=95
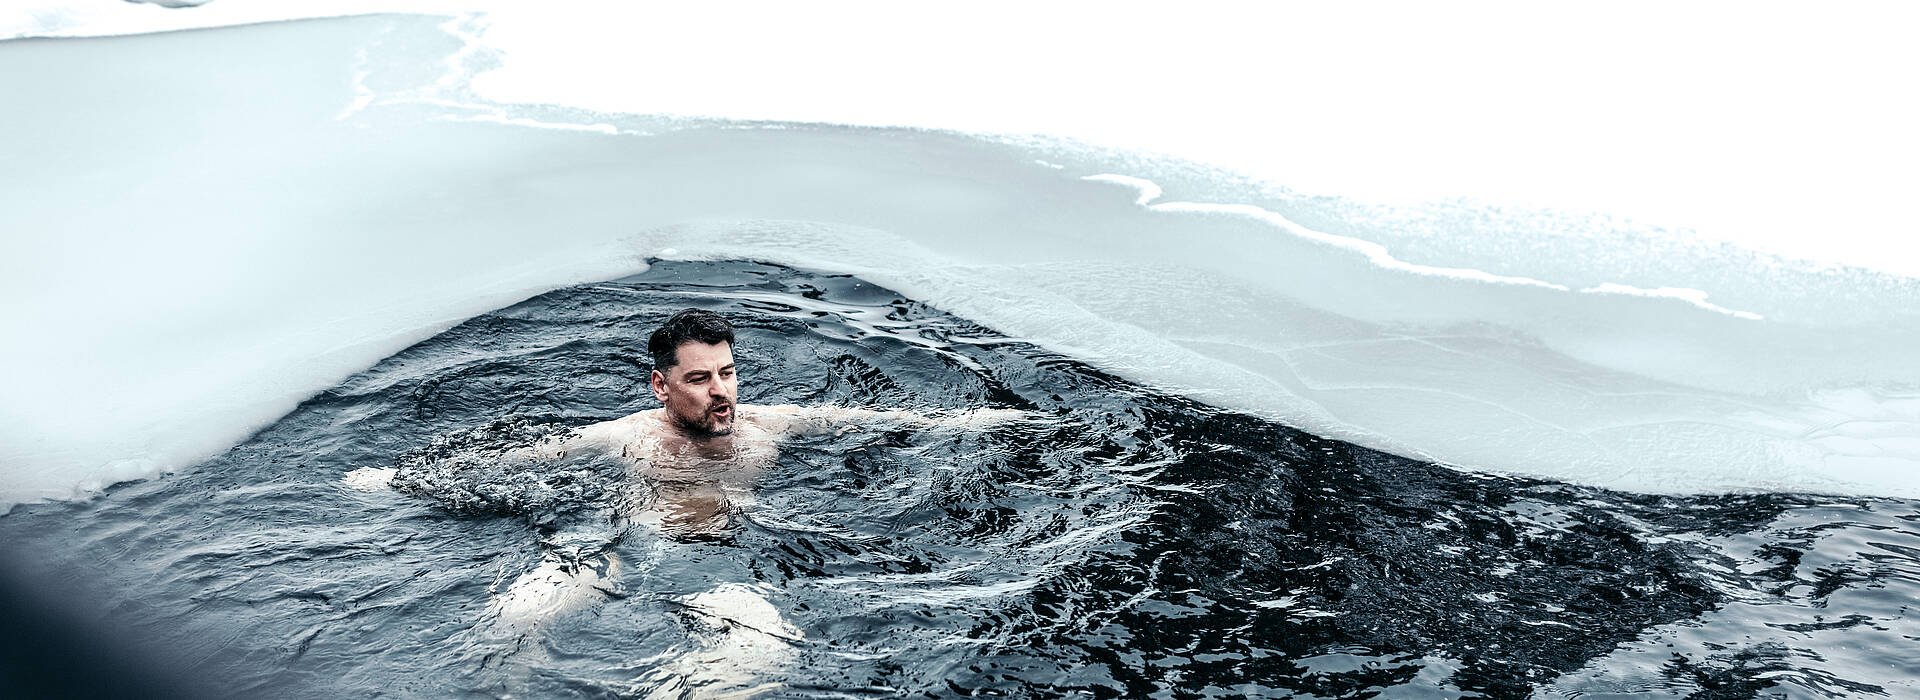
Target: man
x=700 y=424
x=693 y=460
x=701 y=450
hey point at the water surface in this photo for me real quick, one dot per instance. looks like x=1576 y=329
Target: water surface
x=1121 y=542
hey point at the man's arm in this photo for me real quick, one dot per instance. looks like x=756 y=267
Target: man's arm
x=789 y=419
x=551 y=448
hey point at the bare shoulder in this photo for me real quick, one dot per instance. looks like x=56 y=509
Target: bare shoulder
x=618 y=431
x=625 y=422
x=785 y=409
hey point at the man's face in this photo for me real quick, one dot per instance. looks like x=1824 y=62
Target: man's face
x=699 y=391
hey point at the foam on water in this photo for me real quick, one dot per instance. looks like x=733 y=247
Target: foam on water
x=208 y=227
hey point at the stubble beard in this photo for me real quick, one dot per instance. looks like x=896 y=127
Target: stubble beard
x=711 y=426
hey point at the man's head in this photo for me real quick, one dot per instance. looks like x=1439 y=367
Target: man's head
x=693 y=372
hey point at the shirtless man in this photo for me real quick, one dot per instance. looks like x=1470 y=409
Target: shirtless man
x=690 y=467
x=701 y=443
x=701 y=450
x=693 y=462
x=697 y=457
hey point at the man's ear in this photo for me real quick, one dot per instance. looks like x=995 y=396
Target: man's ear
x=659 y=383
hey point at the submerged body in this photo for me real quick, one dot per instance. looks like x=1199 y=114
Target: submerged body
x=684 y=488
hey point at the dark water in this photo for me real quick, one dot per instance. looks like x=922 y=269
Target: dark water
x=1119 y=543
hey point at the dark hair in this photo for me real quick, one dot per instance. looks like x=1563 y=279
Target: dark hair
x=691 y=325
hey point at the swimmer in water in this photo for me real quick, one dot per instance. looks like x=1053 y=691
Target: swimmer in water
x=693 y=461
x=702 y=449
x=700 y=452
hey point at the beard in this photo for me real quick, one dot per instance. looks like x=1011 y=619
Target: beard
x=710 y=423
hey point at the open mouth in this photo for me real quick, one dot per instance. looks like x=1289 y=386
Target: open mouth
x=723 y=412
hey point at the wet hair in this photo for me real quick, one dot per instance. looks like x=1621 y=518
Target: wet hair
x=689 y=326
